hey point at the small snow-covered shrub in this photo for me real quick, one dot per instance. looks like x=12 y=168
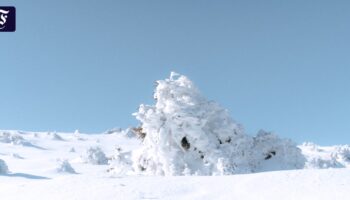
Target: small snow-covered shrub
x=184 y=133
x=323 y=163
x=120 y=163
x=3 y=167
x=55 y=136
x=128 y=132
x=344 y=152
x=273 y=153
x=13 y=138
x=113 y=131
x=94 y=155
x=63 y=166
x=325 y=157
x=77 y=135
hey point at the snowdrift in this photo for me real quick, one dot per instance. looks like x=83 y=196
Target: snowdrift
x=52 y=170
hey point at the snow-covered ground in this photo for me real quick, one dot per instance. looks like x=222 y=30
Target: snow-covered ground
x=37 y=164
x=181 y=140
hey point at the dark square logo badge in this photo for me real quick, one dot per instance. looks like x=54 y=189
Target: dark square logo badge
x=7 y=19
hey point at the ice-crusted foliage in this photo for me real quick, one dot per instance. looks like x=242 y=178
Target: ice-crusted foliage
x=120 y=163
x=184 y=133
x=3 y=167
x=94 y=155
x=326 y=157
x=273 y=153
x=63 y=166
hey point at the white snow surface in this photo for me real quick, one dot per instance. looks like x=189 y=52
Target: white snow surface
x=186 y=147
x=33 y=173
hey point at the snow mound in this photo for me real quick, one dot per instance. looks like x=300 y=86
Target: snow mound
x=72 y=150
x=344 y=153
x=326 y=157
x=55 y=136
x=13 y=138
x=120 y=163
x=78 y=136
x=113 y=131
x=185 y=134
x=118 y=131
x=3 y=167
x=274 y=153
x=63 y=166
x=94 y=155
x=17 y=156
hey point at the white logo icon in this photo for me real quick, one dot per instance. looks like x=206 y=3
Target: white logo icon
x=3 y=17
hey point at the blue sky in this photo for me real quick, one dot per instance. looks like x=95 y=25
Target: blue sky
x=282 y=66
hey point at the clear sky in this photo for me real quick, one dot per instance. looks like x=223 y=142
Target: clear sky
x=282 y=66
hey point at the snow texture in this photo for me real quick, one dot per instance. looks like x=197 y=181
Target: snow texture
x=121 y=163
x=33 y=177
x=94 y=155
x=185 y=134
x=326 y=157
x=13 y=138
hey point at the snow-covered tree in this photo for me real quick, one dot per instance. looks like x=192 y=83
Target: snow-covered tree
x=184 y=133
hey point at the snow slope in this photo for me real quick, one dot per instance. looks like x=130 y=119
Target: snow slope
x=33 y=164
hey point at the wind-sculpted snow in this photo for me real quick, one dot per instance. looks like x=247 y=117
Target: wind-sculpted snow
x=13 y=138
x=3 y=167
x=185 y=134
x=38 y=175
